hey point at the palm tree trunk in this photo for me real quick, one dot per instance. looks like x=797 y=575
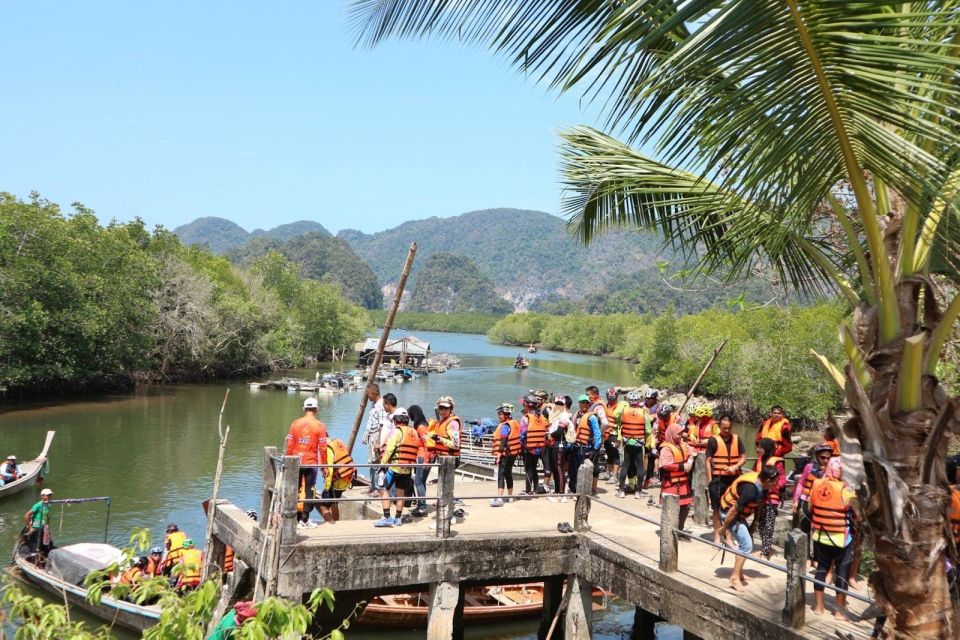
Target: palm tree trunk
x=902 y=465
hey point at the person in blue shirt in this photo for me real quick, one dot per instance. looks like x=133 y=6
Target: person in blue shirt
x=588 y=442
x=9 y=471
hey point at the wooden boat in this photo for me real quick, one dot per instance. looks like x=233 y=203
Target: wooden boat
x=482 y=605
x=32 y=470
x=125 y=614
x=521 y=363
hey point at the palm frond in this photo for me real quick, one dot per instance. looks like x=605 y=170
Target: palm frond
x=610 y=185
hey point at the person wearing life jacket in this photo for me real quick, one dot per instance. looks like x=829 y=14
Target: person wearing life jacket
x=173 y=543
x=597 y=408
x=552 y=454
x=771 y=501
x=777 y=428
x=830 y=437
x=632 y=434
x=676 y=460
x=564 y=431
x=702 y=427
x=336 y=480
x=401 y=451
x=191 y=567
x=307 y=439
x=725 y=456
x=418 y=420
x=812 y=472
x=613 y=410
x=953 y=514
x=9 y=471
x=651 y=403
x=831 y=527
x=588 y=443
x=533 y=435
x=155 y=562
x=506 y=448
x=741 y=500
x=136 y=572
x=446 y=436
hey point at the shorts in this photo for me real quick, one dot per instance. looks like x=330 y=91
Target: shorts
x=716 y=488
x=331 y=494
x=402 y=481
x=741 y=533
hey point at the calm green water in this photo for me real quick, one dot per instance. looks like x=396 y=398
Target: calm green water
x=154 y=451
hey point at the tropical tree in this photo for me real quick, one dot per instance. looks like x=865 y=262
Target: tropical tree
x=818 y=138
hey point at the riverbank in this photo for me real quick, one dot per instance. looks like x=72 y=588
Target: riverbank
x=472 y=323
x=766 y=361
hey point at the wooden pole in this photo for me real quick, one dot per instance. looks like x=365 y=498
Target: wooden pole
x=212 y=511
x=383 y=342
x=713 y=359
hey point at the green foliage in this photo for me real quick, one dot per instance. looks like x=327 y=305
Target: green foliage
x=84 y=306
x=448 y=283
x=217 y=234
x=36 y=619
x=766 y=361
x=445 y=322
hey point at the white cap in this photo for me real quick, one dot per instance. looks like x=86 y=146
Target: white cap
x=11 y=457
x=47 y=492
x=310 y=403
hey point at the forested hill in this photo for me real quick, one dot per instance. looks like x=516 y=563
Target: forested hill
x=322 y=257
x=526 y=254
x=449 y=283
x=222 y=236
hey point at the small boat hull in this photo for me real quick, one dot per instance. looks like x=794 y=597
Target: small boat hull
x=125 y=614
x=32 y=471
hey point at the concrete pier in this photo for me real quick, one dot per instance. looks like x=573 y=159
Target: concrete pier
x=520 y=542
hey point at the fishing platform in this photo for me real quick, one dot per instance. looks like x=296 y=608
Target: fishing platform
x=616 y=544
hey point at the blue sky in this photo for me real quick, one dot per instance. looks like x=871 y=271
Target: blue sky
x=265 y=113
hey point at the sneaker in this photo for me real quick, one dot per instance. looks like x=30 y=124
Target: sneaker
x=383 y=522
x=563 y=499
x=397 y=521
x=510 y=500
x=496 y=502
x=459 y=513
x=419 y=512
x=613 y=481
x=521 y=493
x=650 y=501
x=542 y=491
x=620 y=494
x=459 y=502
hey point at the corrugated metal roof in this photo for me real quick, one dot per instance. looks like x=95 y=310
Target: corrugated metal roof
x=411 y=344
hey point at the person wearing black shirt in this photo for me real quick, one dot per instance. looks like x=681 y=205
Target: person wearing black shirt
x=741 y=500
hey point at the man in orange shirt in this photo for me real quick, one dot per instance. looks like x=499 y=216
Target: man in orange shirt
x=308 y=439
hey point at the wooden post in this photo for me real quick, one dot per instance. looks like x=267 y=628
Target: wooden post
x=445 y=615
x=214 y=555
x=579 y=609
x=387 y=325
x=644 y=624
x=669 y=520
x=266 y=491
x=289 y=493
x=212 y=511
x=584 y=487
x=552 y=597
x=701 y=501
x=696 y=382
x=795 y=551
x=445 y=485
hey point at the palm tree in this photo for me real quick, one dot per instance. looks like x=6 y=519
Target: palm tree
x=815 y=138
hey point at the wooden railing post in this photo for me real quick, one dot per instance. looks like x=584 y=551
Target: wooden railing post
x=581 y=512
x=701 y=501
x=290 y=491
x=669 y=520
x=266 y=491
x=795 y=551
x=448 y=473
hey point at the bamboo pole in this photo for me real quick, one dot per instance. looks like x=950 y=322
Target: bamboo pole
x=212 y=511
x=710 y=362
x=383 y=342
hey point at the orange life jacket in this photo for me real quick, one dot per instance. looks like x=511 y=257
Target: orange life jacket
x=584 y=431
x=536 y=430
x=834 y=447
x=953 y=514
x=676 y=481
x=662 y=426
x=726 y=457
x=772 y=497
x=192 y=561
x=341 y=455
x=513 y=438
x=443 y=431
x=828 y=513
x=131 y=576
x=700 y=434
x=228 y=559
x=774 y=430
x=154 y=567
x=305 y=439
x=633 y=423
x=816 y=472
x=611 y=413
x=732 y=494
x=406 y=453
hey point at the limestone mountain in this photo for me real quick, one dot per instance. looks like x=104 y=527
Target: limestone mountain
x=450 y=283
x=290 y=231
x=219 y=234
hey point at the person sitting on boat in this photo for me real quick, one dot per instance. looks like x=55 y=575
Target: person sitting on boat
x=232 y=620
x=38 y=535
x=173 y=542
x=136 y=572
x=9 y=471
x=190 y=566
x=155 y=562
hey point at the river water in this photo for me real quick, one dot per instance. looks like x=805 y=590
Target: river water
x=153 y=452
